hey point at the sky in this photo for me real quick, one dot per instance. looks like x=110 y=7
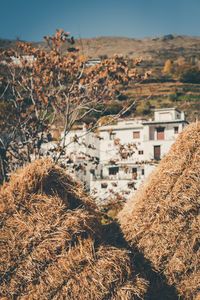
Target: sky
x=30 y=20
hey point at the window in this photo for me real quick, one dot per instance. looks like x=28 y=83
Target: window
x=134 y=173
x=160 y=133
x=140 y=152
x=104 y=185
x=157 y=152
x=112 y=135
x=142 y=171
x=113 y=170
x=92 y=171
x=131 y=185
x=176 y=130
x=136 y=134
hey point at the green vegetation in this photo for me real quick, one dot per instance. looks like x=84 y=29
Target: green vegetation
x=183 y=70
x=175 y=75
x=187 y=102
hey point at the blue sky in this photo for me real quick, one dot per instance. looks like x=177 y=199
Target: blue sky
x=31 y=20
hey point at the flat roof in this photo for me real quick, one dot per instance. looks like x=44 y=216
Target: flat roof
x=124 y=127
x=166 y=109
x=164 y=122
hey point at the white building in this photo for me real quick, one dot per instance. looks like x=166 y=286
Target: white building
x=115 y=160
x=93 y=62
x=130 y=149
x=19 y=61
x=82 y=154
x=160 y=133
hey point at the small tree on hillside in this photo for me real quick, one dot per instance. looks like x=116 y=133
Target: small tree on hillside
x=184 y=71
x=168 y=66
x=41 y=88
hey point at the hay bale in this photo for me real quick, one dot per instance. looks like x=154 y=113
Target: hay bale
x=106 y=276
x=31 y=240
x=163 y=218
x=51 y=242
x=43 y=177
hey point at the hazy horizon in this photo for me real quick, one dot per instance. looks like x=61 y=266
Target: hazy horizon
x=107 y=36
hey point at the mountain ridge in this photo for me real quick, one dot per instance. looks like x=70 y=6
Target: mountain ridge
x=146 y=47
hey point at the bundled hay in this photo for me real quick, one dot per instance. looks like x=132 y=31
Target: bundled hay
x=44 y=177
x=163 y=218
x=50 y=242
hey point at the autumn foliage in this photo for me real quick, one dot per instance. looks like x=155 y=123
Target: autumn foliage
x=41 y=88
x=182 y=70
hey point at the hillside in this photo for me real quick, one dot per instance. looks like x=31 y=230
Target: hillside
x=155 y=51
x=157 y=48
x=184 y=97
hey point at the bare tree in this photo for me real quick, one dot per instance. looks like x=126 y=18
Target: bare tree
x=41 y=88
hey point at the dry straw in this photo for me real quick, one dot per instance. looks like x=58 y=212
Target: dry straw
x=163 y=218
x=51 y=243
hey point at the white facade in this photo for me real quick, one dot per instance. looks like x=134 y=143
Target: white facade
x=160 y=133
x=81 y=155
x=93 y=62
x=144 y=144
x=115 y=160
x=82 y=151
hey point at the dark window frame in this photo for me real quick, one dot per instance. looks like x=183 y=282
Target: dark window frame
x=134 y=173
x=113 y=170
x=112 y=136
x=176 y=130
x=160 y=133
x=156 y=156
